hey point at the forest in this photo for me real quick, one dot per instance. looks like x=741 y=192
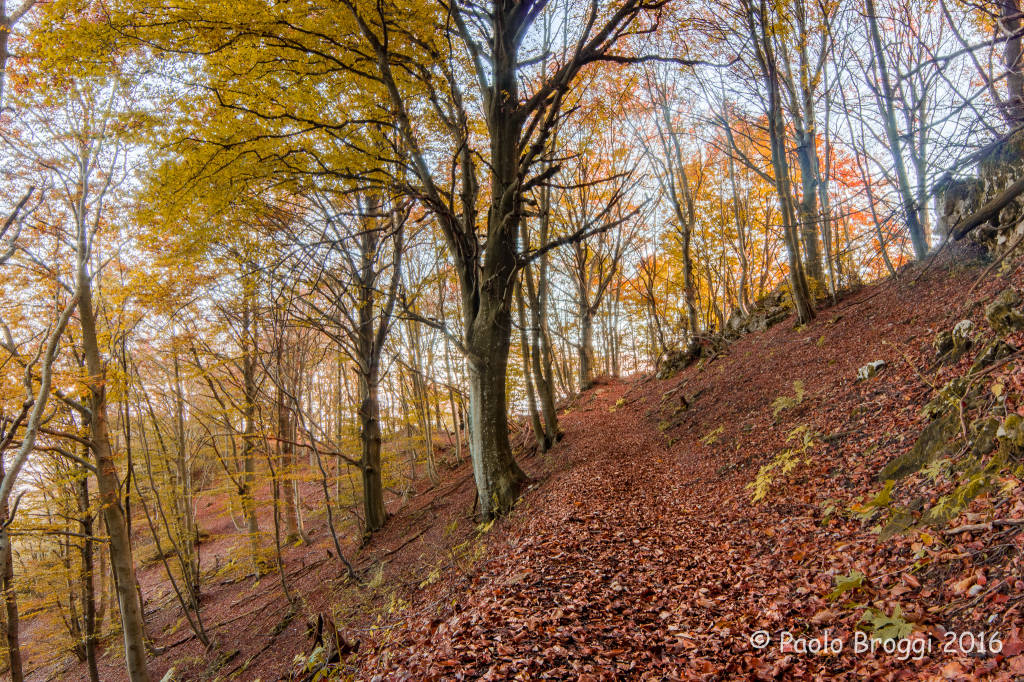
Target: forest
x=511 y=339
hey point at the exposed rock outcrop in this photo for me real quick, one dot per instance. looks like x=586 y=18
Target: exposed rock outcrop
x=959 y=199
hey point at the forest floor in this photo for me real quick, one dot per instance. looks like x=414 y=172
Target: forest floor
x=637 y=551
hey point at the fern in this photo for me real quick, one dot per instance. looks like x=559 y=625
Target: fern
x=711 y=436
x=783 y=464
x=785 y=402
x=881 y=499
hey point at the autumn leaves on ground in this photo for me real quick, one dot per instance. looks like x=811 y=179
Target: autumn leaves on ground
x=637 y=550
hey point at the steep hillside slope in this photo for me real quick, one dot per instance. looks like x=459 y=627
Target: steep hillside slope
x=638 y=551
x=643 y=556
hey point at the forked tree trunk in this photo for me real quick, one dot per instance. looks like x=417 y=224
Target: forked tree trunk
x=807 y=158
x=776 y=134
x=798 y=281
x=888 y=105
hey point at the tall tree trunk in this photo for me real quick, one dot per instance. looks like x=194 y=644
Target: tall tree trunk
x=121 y=561
x=421 y=398
x=498 y=476
x=807 y=158
x=780 y=165
x=540 y=355
x=87 y=578
x=456 y=409
x=183 y=501
x=798 y=280
x=11 y=622
x=286 y=450
x=910 y=213
x=1010 y=23
x=586 y=349
x=806 y=129
x=370 y=442
x=531 y=398
x=684 y=206
x=743 y=298
x=760 y=27
x=248 y=478
x=616 y=341
x=487 y=287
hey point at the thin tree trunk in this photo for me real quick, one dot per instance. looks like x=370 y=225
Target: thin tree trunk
x=917 y=235
x=87 y=578
x=121 y=561
x=183 y=501
x=421 y=397
x=586 y=349
x=286 y=451
x=456 y=410
x=248 y=479
x=615 y=345
x=540 y=355
x=531 y=398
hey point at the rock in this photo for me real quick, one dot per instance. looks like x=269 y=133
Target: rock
x=1011 y=433
x=869 y=370
x=984 y=434
x=670 y=363
x=697 y=348
x=957 y=199
x=769 y=310
x=933 y=443
x=1002 y=313
x=943 y=343
x=949 y=396
x=991 y=354
x=950 y=346
x=962 y=330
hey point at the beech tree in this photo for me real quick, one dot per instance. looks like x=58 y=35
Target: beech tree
x=79 y=138
x=490 y=37
x=354 y=263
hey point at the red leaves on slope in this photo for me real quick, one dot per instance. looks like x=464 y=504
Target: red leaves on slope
x=642 y=557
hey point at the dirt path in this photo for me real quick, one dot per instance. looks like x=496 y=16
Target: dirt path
x=642 y=556
x=636 y=567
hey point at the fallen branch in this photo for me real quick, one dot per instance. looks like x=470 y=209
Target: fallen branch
x=988 y=211
x=971 y=527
